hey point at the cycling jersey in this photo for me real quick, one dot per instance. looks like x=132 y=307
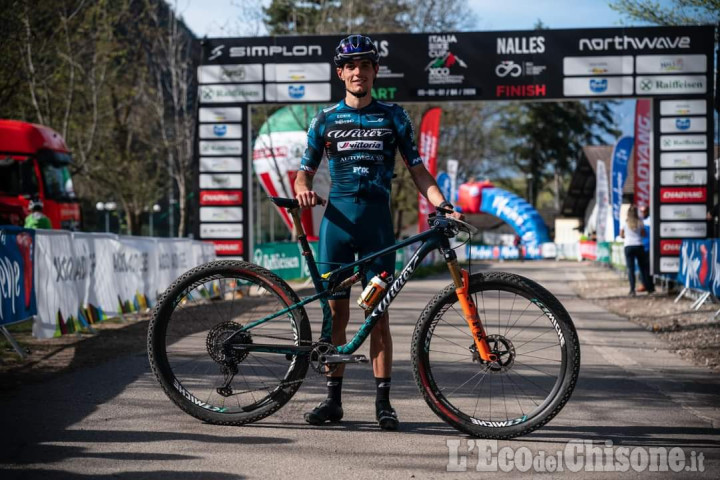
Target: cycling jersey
x=360 y=146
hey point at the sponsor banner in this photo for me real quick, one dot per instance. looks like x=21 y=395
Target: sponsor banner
x=683 y=177
x=671 y=63
x=597 y=86
x=683 y=229
x=643 y=151
x=221 y=230
x=588 y=250
x=219 y=114
x=221 y=164
x=230 y=73
x=360 y=145
x=620 y=157
x=683 y=142
x=670 y=247
x=427 y=147
x=683 y=159
x=602 y=201
x=683 y=212
x=683 y=195
x=695 y=264
x=17 y=270
x=218 y=180
x=445 y=185
x=670 y=84
x=297 y=92
x=221 y=147
x=683 y=107
x=249 y=93
x=297 y=72
x=669 y=264
x=220 y=130
x=85 y=276
x=221 y=214
x=228 y=247
x=683 y=124
x=614 y=65
x=221 y=197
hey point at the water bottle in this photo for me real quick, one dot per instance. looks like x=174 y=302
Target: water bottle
x=374 y=291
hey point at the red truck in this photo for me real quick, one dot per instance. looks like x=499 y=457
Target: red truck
x=34 y=163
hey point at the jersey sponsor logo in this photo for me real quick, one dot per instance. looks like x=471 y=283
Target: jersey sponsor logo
x=360 y=133
x=362 y=157
x=374 y=118
x=360 y=145
x=363 y=171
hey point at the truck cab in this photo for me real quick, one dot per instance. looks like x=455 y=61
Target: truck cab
x=34 y=163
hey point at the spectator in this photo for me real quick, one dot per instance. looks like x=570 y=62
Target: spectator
x=518 y=244
x=632 y=232
x=36 y=218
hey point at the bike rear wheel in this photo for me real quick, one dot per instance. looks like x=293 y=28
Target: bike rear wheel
x=186 y=335
x=537 y=347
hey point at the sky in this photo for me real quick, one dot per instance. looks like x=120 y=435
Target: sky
x=221 y=18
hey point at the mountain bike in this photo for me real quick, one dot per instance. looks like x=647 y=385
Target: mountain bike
x=495 y=355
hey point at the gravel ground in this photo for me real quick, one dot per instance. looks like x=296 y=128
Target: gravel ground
x=695 y=335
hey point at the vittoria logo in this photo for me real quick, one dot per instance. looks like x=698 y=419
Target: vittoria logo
x=360 y=145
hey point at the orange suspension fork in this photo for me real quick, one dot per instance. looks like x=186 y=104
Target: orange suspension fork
x=461 y=278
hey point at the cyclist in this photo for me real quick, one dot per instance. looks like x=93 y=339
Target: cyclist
x=360 y=135
x=37 y=219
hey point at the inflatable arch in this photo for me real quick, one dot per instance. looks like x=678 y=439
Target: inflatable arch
x=484 y=197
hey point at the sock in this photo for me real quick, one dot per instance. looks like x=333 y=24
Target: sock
x=383 y=391
x=334 y=386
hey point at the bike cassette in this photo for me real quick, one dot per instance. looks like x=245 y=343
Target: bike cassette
x=224 y=354
x=503 y=350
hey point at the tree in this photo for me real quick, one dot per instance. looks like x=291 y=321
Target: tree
x=546 y=138
x=680 y=12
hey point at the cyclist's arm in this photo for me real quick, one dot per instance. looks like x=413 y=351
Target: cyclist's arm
x=427 y=185
x=309 y=164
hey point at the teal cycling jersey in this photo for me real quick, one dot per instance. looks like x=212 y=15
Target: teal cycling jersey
x=360 y=145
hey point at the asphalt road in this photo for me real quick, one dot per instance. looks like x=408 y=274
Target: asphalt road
x=113 y=420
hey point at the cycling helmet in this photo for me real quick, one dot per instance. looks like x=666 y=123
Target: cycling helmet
x=355 y=47
x=35 y=205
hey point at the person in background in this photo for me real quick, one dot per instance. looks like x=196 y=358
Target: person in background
x=644 y=211
x=632 y=232
x=37 y=219
x=518 y=244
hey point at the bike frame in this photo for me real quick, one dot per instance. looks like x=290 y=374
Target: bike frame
x=432 y=239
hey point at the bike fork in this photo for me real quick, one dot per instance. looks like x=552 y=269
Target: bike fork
x=461 y=278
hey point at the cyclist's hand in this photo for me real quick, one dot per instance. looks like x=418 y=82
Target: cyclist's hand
x=309 y=199
x=456 y=216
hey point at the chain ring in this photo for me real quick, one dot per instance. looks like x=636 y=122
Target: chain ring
x=320 y=350
x=225 y=355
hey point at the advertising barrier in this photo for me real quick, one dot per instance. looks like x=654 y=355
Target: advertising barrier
x=16 y=275
x=696 y=263
x=82 y=277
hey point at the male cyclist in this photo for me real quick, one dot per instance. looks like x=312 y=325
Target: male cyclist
x=360 y=135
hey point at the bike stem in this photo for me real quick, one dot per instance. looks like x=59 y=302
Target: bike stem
x=461 y=279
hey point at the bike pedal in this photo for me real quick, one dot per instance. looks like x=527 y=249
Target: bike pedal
x=344 y=359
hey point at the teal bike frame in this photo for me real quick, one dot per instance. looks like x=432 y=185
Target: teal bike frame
x=325 y=285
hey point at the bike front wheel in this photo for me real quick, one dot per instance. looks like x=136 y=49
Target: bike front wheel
x=189 y=354
x=537 y=349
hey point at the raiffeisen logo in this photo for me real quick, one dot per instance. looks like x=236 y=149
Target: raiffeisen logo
x=276 y=50
x=635 y=43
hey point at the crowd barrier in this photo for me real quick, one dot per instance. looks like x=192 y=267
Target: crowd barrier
x=76 y=279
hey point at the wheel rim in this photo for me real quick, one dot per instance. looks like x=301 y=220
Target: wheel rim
x=205 y=314
x=528 y=339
